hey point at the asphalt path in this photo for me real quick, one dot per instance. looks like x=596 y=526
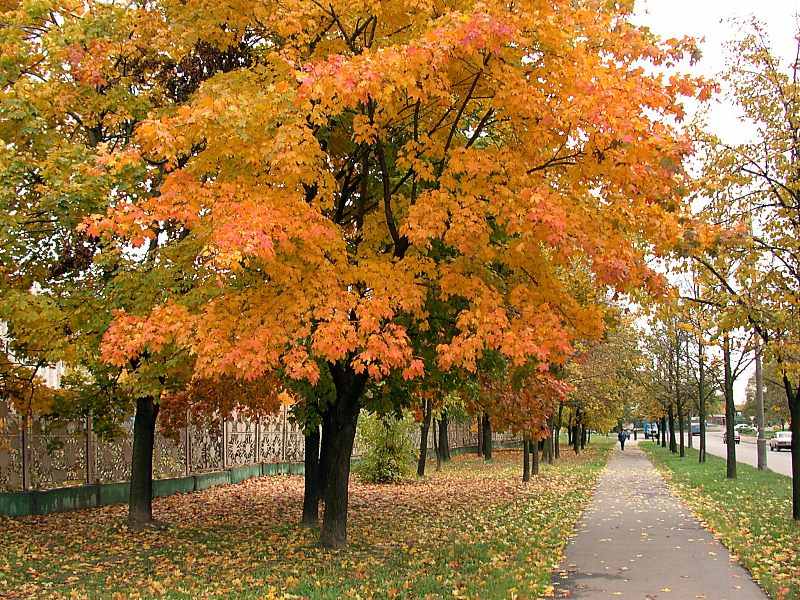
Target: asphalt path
x=746 y=452
x=637 y=541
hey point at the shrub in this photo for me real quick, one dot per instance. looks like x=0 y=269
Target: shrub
x=388 y=448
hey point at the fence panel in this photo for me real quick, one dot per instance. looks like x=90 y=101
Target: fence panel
x=70 y=454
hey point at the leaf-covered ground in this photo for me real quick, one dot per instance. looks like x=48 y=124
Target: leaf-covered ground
x=471 y=531
x=750 y=515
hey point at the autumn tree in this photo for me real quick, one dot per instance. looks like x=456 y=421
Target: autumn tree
x=362 y=164
x=758 y=181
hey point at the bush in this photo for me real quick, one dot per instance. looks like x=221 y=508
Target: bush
x=388 y=449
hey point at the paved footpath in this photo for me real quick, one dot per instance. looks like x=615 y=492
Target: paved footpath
x=637 y=541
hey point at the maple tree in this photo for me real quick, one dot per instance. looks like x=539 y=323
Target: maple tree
x=370 y=163
x=75 y=85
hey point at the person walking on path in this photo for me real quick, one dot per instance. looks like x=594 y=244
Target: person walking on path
x=622 y=436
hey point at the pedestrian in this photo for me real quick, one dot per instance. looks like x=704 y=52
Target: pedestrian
x=622 y=437
x=634 y=434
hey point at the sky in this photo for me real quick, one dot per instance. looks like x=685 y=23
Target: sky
x=713 y=23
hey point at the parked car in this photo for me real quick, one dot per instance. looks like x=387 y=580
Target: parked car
x=741 y=426
x=695 y=428
x=736 y=437
x=782 y=439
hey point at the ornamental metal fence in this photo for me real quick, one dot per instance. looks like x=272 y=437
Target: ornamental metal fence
x=40 y=455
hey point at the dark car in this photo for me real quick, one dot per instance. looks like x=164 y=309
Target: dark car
x=736 y=437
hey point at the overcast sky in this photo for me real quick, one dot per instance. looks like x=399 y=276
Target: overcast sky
x=714 y=22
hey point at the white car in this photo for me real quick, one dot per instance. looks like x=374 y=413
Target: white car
x=782 y=439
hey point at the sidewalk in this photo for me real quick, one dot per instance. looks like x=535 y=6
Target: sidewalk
x=638 y=541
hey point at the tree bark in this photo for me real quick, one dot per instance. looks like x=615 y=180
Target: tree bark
x=673 y=445
x=583 y=436
x=444 y=438
x=140 y=500
x=730 y=409
x=480 y=434
x=343 y=419
x=424 y=428
x=487 y=437
x=557 y=436
x=663 y=432
x=526 y=465
x=437 y=443
x=312 y=491
x=534 y=457
x=761 y=441
x=576 y=433
x=793 y=398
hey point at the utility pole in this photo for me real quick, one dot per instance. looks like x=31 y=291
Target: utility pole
x=761 y=443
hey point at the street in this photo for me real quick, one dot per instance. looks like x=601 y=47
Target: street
x=780 y=462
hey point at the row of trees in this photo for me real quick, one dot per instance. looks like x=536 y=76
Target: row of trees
x=345 y=206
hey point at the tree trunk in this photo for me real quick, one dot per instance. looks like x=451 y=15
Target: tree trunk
x=689 y=426
x=534 y=457
x=424 y=428
x=140 y=500
x=437 y=445
x=526 y=465
x=663 y=432
x=551 y=441
x=702 y=402
x=343 y=419
x=312 y=491
x=730 y=409
x=681 y=423
x=583 y=437
x=793 y=398
x=761 y=441
x=480 y=434
x=557 y=436
x=576 y=442
x=673 y=445
x=444 y=438
x=487 y=437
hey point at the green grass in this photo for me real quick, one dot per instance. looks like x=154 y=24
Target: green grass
x=472 y=530
x=751 y=515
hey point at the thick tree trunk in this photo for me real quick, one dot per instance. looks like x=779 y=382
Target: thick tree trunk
x=534 y=457
x=673 y=444
x=343 y=419
x=583 y=437
x=730 y=408
x=444 y=439
x=424 y=428
x=526 y=465
x=487 y=437
x=793 y=398
x=663 y=432
x=140 y=501
x=312 y=491
x=576 y=441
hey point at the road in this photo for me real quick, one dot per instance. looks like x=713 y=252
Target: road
x=780 y=462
